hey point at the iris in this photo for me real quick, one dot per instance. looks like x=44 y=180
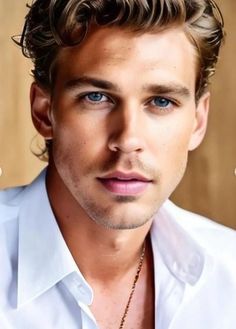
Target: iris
x=95 y=97
x=161 y=102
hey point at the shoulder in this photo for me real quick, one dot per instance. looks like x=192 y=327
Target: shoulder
x=11 y=199
x=14 y=195
x=212 y=236
x=9 y=195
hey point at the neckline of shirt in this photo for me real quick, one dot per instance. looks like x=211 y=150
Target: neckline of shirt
x=44 y=258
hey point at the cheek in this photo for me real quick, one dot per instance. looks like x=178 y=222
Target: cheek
x=70 y=143
x=171 y=145
x=77 y=144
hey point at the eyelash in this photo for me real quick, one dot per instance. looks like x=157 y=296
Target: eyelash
x=171 y=103
x=168 y=107
x=96 y=102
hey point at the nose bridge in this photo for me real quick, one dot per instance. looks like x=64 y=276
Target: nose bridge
x=127 y=128
x=129 y=113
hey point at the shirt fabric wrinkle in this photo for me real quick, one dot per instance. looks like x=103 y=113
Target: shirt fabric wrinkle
x=182 y=265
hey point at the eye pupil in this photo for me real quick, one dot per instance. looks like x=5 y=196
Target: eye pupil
x=161 y=102
x=95 y=97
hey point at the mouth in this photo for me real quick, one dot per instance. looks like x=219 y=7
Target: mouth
x=125 y=183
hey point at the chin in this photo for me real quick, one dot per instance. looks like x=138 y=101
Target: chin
x=121 y=219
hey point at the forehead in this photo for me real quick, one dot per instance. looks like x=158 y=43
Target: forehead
x=111 y=51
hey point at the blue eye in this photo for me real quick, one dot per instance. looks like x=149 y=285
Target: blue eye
x=161 y=102
x=96 y=97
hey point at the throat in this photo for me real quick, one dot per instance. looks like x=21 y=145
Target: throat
x=128 y=302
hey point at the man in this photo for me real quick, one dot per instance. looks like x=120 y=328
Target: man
x=120 y=97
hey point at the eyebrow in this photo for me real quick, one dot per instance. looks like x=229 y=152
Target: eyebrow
x=89 y=81
x=157 y=89
x=170 y=88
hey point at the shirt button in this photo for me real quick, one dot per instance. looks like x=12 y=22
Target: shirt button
x=81 y=289
x=194 y=264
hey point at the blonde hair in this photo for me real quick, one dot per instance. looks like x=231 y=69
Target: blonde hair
x=51 y=25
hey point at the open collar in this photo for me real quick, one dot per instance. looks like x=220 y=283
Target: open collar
x=43 y=256
x=182 y=255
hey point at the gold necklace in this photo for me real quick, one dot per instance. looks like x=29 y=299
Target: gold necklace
x=133 y=287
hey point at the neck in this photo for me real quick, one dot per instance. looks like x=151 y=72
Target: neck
x=101 y=254
x=106 y=256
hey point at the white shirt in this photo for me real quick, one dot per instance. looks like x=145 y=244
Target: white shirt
x=41 y=287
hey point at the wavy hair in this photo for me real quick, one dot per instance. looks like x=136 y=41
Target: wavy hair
x=51 y=25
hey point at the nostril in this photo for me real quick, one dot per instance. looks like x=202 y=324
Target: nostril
x=126 y=145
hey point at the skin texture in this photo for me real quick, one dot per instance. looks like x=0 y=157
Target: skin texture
x=146 y=123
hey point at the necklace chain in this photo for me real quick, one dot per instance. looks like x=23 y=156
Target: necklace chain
x=133 y=287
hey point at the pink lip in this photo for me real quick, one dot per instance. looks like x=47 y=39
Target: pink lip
x=125 y=183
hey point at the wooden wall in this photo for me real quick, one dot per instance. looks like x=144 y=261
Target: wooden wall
x=18 y=164
x=209 y=185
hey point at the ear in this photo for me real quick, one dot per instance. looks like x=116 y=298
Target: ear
x=200 y=121
x=40 y=101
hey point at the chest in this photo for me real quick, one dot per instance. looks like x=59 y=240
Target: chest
x=121 y=307
x=111 y=311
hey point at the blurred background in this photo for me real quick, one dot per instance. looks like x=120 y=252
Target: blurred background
x=209 y=185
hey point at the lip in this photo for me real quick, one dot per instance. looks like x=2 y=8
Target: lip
x=126 y=176
x=121 y=183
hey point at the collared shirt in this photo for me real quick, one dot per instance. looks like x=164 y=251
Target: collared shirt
x=42 y=287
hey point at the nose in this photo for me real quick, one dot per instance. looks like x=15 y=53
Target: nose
x=127 y=130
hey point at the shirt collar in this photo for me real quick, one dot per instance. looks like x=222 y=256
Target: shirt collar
x=43 y=256
x=9 y=212
x=182 y=255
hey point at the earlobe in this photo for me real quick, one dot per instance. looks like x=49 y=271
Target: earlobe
x=200 y=124
x=40 y=110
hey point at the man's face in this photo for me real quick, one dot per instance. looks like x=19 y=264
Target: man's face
x=123 y=117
